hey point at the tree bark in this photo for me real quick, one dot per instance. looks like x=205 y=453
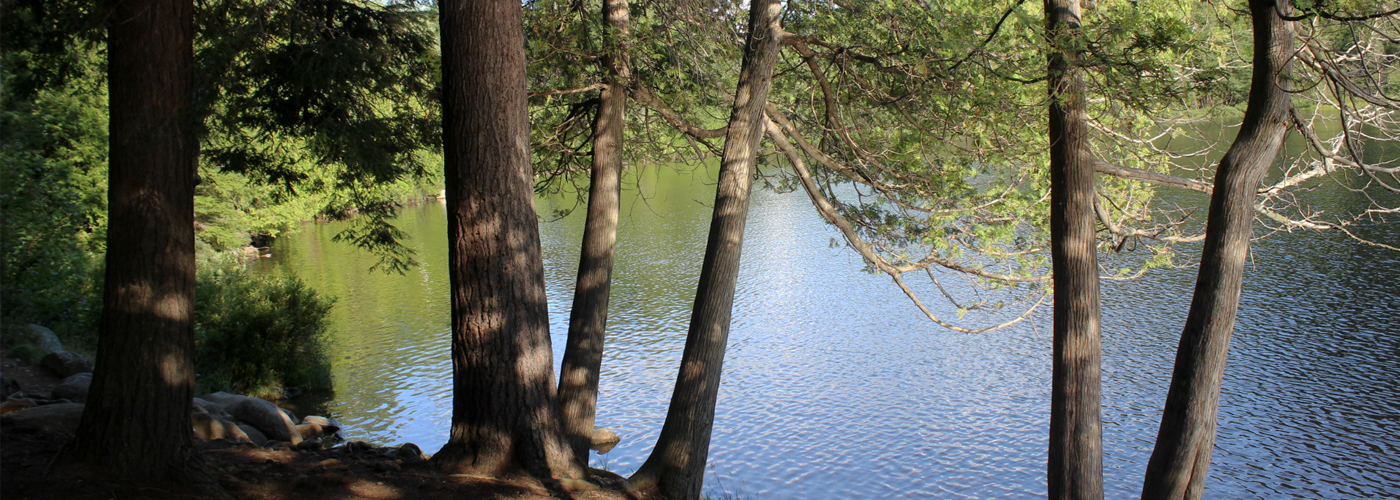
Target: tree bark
x=676 y=467
x=505 y=418
x=588 y=318
x=1177 y=469
x=136 y=424
x=1075 y=466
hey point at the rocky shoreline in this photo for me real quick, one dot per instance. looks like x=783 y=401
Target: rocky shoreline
x=219 y=415
x=257 y=449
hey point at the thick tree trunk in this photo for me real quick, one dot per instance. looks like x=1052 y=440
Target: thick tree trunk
x=588 y=319
x=1177 y=469
x=1075 y=466
x=137 y=421
x=676 y=467
x=505 y=419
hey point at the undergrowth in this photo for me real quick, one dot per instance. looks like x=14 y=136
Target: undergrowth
x=259 y=335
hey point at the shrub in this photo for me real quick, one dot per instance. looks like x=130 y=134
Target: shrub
x=259 y=335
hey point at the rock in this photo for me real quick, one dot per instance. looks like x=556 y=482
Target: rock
x=357 y=447
x=279 y=445
x=328 y=426
x=66 y=364
x=308 y=445
x=221 y=399
x=202 y=406
x=16 y=405
x=74 y=388
x=254 y=435
x=61 y=418
x=604 y=440
x=209 y=427
x=260 y=414
x=309 y=431
x=409 y=453
x=44 y=339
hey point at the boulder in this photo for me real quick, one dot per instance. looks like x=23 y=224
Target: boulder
x=209 y=427
x=409 y=453
x=66 y=364
x=358 y=447
x=604 y=440
x=260 y=414
x=44 y=339
x=62 y=418
x=16 y=405
x=202 y=406
x=221 y=399
x=327 y=425
x=309 y=431
x=73 y=388
x=254 y=435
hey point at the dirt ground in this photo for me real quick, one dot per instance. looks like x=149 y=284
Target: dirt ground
x=248 y=472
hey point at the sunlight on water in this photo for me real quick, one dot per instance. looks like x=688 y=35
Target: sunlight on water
x=836 y=387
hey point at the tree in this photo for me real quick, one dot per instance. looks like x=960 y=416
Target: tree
x=676 y=467
x=1075 y=466
x=1177 y=469
x=136 y=423
x=505 y=417
x=588 y=318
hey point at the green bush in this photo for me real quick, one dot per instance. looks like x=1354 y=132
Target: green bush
x=259 y=335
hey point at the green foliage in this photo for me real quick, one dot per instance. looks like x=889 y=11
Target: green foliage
x=258 y=335
x=328 y=100
x=683 y=53
x=349 y=85
x=26 y=351
x=53 y=202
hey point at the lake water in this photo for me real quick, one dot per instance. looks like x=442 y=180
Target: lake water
x=836 y=387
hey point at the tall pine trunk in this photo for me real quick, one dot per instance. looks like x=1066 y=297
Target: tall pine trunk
x=136 y=424
x=1075 y=466
x=1177 y=469
x=505 y=418
x=676 y=467
x=588 y=319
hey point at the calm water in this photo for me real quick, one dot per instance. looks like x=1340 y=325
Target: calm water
x=836 y=387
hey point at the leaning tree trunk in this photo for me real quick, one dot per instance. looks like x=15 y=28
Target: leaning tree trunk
x=1177 y=469
x=676 y=467
x=505 y=418
x=137 y=421
x=1075 y=466
x=588 y=319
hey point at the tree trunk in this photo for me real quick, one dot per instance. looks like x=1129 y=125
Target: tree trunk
x=588 y=319
x=505 y=418
x=1075 y=466
x=676 y=467
x=1177 y=469
x=136 y=424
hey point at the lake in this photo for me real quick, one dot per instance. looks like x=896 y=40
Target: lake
x=836 y=387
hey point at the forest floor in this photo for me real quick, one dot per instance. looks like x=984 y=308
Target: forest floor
x=248 y=472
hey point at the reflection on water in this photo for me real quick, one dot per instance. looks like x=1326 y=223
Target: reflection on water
x=836 y=387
